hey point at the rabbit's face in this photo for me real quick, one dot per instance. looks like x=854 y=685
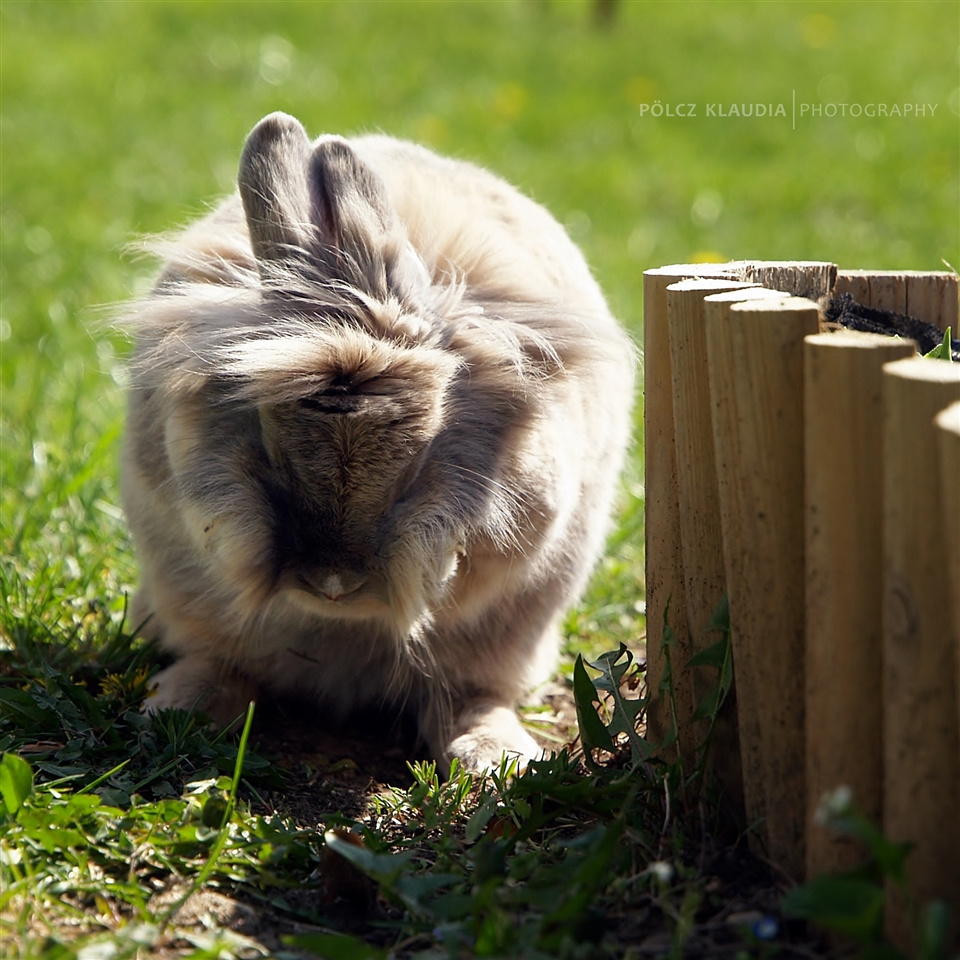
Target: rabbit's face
x=358 y=529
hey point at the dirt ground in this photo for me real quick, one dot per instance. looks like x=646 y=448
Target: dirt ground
x=337 y=769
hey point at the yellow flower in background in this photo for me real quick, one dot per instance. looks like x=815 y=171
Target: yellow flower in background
x=818 y=30
x=639 y=90
x=510 y=100
x=431 y=130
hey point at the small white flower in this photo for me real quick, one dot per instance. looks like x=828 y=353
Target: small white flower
x=833 y=804
x=662 y=870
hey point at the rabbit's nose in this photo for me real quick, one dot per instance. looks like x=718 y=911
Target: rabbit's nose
x=337 y=585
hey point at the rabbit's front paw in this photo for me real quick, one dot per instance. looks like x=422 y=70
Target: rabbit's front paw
x=200 y=683
x=486 y=734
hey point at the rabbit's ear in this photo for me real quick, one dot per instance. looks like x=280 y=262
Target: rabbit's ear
x=350 y=203
x=273 y=187
x=357 y=226
x=320 y=204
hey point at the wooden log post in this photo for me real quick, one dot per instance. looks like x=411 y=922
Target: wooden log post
x=664 y=564
x=843 y=418
x=755 y=352
x=920 y=726
x=700 y=535
x=948 y=433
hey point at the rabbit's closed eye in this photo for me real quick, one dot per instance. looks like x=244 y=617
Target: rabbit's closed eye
x=332 y=401
x=378 y=406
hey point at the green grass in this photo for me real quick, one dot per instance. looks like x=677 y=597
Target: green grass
x=123 y=119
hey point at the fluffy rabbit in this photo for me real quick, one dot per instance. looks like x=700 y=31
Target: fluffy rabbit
x=378 y=407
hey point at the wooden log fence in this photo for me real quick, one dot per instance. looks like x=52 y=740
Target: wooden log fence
x=812 y=476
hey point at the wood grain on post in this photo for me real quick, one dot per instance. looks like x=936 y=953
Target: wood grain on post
x=887 y=290
x=664 y=566
x=934 y=297
x=755 y=351
x=799 y=278
x=700 y=533
x=856 y=283
x=920 y=729
x=843 y=418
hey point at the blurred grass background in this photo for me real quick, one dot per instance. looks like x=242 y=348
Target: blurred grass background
x=120 y=119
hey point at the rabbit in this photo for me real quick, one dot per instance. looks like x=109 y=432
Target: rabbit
x=377 y=411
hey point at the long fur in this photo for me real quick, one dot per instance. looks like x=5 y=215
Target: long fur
x=378 y=407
